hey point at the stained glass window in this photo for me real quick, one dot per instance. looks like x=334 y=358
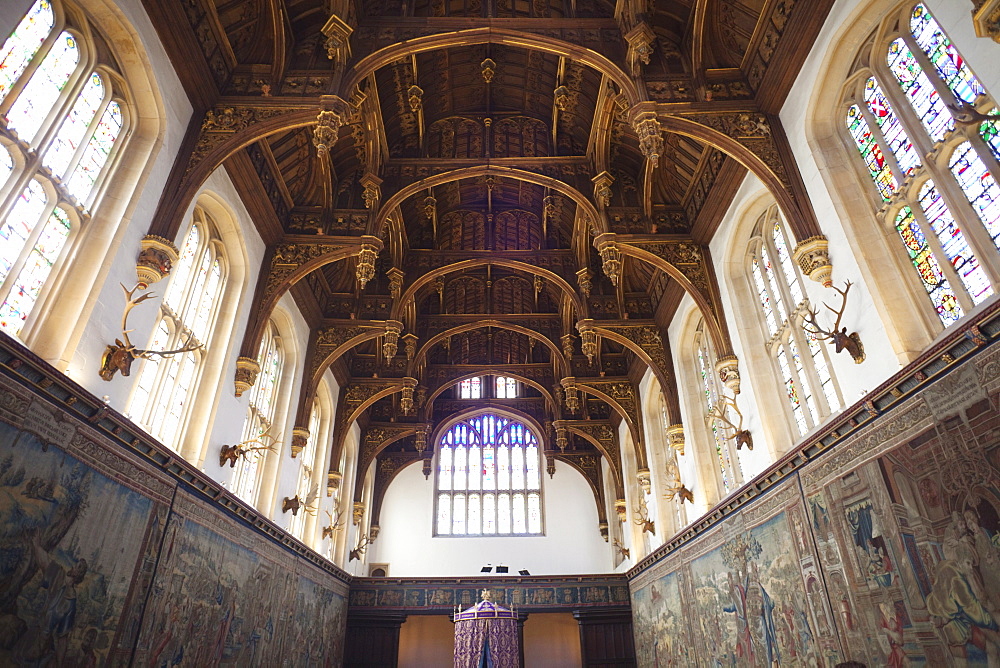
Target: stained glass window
x=44 y=87
x=865 y=142
x=919 y=90
x=730 y=475
x=305 y=488
x=488 y=478
x=938 y=232
x=67 y=116
x=780 y=284
x=187 y=314
x=22 y=46
x=259 y=424
x=892 y=130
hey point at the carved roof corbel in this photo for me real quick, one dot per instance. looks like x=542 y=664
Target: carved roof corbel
x=620 y=394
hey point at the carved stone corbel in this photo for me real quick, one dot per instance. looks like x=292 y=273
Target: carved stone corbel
x=372 y=190
x=358 y=512
x=333 y=479
x=328 y=123
x=588 y=338
x=675 y=437
x=813 y=256
x=156 y=258
x=247 y=369
x=647 y=127
x=300 y=438
x=621 y=508
x=728 y=368
x=644 y=479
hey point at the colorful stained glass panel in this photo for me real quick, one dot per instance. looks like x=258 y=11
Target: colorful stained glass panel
x=942 y=53
x=938 y=289
x=95 y=156
x=22 y=45
x=919 y=91
x=865 y=142
x=24 y=293
x=42 y=91
x=896 y=137
x=60 y=152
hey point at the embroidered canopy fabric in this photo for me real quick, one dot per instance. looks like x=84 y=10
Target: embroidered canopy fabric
x=486 y=635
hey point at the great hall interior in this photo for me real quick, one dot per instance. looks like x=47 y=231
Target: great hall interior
x=667 y=328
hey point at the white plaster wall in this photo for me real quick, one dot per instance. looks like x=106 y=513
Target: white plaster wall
x=571 y=544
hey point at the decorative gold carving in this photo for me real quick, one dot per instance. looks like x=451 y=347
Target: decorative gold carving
x=572 y=398
x=488 y=68
x=562 y=435
x=420 y=439
x=602 y=188
x=328 y=123
x=430 y=207
x=648 y=338
x=359 y=512
x=561 y=98
x=728 y=368
x=372 y=190
x=588 y=339
x=567 y=346
x=406 y=400
x=156 y=258
x=338 y=42
x=583 y=277
x=647 y=128
x=395 y=275
x=813 y=256
x=289 y=257
x=410 y=344
x=415 y=96
x=300 y=438
x=366 y=264
x=675 y=437
x=986 y=19
x=641 y=40
x=247 y=369
x=390 y=344
x=602 y=528
x=611 y=256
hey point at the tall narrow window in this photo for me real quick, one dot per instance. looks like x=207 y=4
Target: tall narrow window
x=906 y=105
x=488 y=479
x=801 y=360
x=727 y=463
x=304 y=489
x=162 y=395
x=259 y=425
x=63 y=122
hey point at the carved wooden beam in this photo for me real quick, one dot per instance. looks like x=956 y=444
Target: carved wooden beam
x=603 y=436
x=355 y=398
x=376 y=438
x=622 y=397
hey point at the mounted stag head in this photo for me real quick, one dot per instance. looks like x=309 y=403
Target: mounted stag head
x=642 y=519
x=622 y=550
x=232 y=453
x=720 y=412
x=336 y=521
x=295 y=503
x=359 y=550
x=119 y=356
x=841 y=339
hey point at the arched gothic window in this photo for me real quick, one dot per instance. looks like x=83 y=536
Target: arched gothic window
x=488 y=479
x=163 y=393
x=471 y=388
x=932 y=165
x=730 y=476
x=305 y=487
x=505 y=388
x=63 y=114
x=259 y=423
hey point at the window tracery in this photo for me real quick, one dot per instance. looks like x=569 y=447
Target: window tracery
x=730 y=475
x=63 y=115
x=165 y=386
x=488 y=479
x=259 y=422
x=944 y=207
x=307 y=465
x=802 y=361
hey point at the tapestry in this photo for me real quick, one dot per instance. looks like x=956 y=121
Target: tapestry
x=224 y=595
x=746 y=594
x=886 y=551
x=66 y=583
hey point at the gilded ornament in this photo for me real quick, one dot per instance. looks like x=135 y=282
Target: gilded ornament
x=588 y=339
x=391 y=341
x=366 y=264
x=813 y=257
x=611 y=256
x=333 y=479
x=300 y=438
x=728 y=368
x=488 y=68
x=621 y=508
x=572 y=399
x=247 y=369
x=602 y=188
x=675 y=437
x=156 y=258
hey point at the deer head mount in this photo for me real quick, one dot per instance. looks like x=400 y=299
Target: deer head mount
x=295 y=504
x=675 y=488
x=720 y=413
x=841 y=339
x=359 y=550
x=232 y=453
x=642 y=517
x=336 y=522
x=120 y=355
x=622 y=550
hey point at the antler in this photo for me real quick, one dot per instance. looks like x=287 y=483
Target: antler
x=719 y=412
x=336 y=521
x=130 y=304
x=624 y=551
x=841 y=339
x=642 y=511
x=363 y=542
